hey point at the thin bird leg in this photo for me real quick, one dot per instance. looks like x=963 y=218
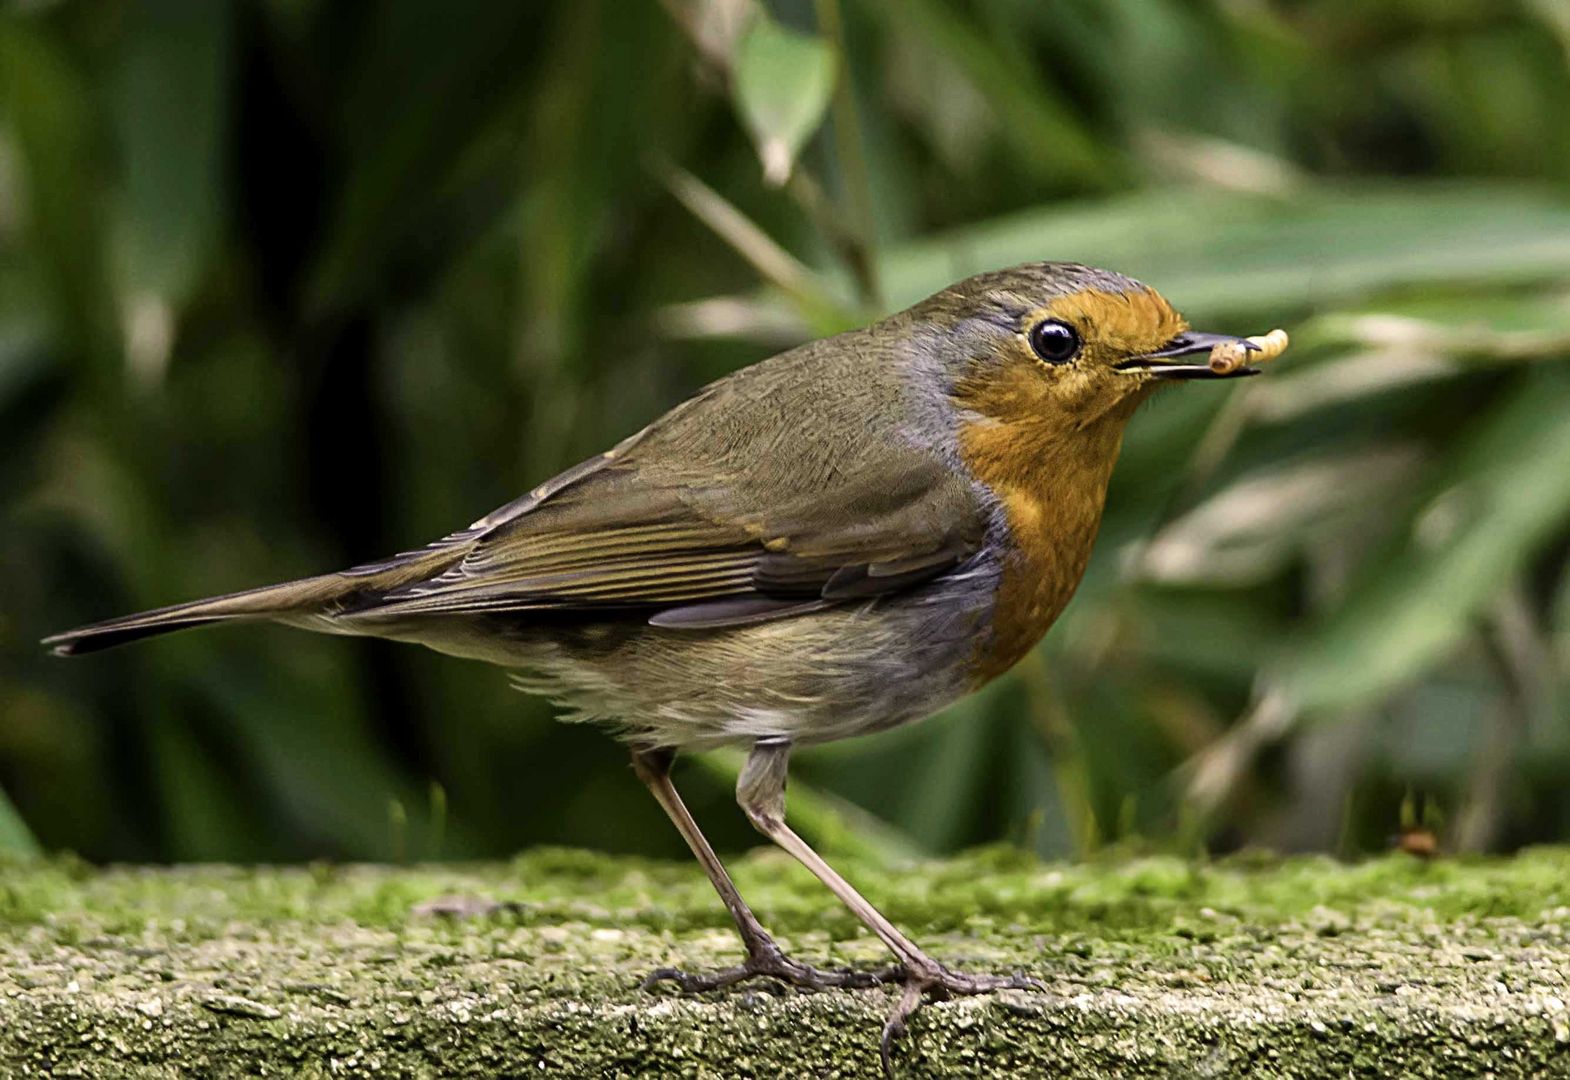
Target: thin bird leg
x=761 y=792
x=765 y=959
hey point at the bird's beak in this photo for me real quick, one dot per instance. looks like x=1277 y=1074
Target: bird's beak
x=1163 y=362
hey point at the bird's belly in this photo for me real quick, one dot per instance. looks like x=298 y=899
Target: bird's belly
x=828 y=675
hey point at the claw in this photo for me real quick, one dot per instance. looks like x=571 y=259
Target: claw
x=697 y=983
x=895 y=1026
x=773 y=964
x=919 y=981
x=935 y=982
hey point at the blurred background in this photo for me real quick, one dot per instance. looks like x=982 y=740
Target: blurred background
x=288 y=285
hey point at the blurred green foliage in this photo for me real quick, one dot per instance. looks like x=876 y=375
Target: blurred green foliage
x=289 y=285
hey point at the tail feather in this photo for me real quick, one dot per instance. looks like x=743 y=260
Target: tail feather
x=324 y=596
x=317 y=594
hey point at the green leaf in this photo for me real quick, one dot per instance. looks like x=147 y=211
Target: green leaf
x=782 y=84
x=46 y=105
x=776 y=265
x=170 y=108
x=15 y=838
x=1481 y=327
x=1496 y=503
x=1045 y=130
x=424 y=86
x=1223 y=254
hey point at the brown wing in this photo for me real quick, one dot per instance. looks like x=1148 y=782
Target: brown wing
x=614 y=541
x=794 y=484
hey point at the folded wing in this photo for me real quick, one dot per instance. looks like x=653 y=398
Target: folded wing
x=624 y=539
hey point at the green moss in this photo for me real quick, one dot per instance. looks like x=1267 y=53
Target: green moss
x=1154 y=966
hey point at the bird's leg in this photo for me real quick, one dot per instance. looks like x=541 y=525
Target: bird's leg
x=761 y=792
x=765 y=959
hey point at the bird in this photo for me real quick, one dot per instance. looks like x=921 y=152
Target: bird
x=838 y=540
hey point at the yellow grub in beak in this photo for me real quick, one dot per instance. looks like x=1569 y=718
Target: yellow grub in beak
x=1227 y=357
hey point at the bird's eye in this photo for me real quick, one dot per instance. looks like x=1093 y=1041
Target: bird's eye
x=1054 y=341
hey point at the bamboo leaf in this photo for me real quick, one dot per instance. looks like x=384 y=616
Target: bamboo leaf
x=169 y=111
x=1041 y=126
x=776 y=265
x=1492 y=509
x=15 y=837
x=420 y=91
x=781 y=84
x=46 y=105
x=1224 y=254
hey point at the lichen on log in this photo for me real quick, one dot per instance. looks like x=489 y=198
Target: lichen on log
x=1154 y=966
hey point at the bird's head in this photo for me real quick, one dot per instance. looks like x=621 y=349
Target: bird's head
x=1060 y=346
x=1044 y=363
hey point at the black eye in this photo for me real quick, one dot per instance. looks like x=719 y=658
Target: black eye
x=1055 y=342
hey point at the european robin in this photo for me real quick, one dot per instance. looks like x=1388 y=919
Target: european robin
x=840 y=539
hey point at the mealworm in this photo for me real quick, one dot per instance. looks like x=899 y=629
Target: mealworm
x=1227 y=356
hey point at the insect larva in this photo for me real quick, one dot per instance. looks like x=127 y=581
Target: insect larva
x=1228 y=356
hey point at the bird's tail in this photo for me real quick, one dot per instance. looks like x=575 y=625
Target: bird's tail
x=301 y=597
x=312 y=602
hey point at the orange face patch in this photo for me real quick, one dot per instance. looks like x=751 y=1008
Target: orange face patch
x=1040 y=401
x=1115 y=326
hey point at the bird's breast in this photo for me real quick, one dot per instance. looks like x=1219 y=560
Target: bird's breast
x=1050 y=503
x=1043 y=559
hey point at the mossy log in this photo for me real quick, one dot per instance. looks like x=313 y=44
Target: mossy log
x=1153 y=967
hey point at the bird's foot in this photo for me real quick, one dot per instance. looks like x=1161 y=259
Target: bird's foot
x=768 y=961
x=920 y=981
x=925 y=979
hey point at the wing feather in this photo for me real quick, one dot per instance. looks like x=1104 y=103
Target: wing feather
x=727 y=511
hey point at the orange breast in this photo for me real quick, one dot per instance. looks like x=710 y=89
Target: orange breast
x=1040 y=573
x=1052 y=490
